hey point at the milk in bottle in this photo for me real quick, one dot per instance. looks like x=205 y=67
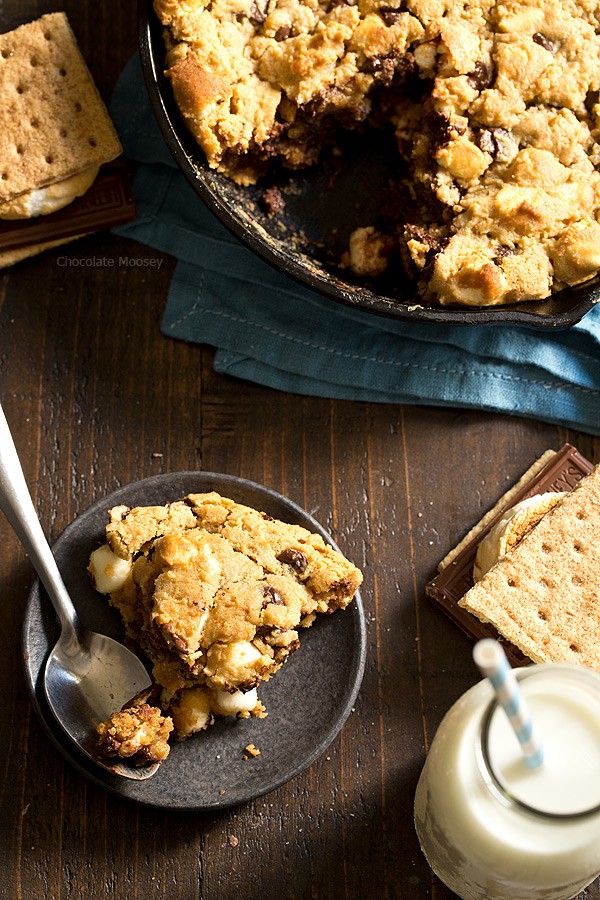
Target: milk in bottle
x=491 y=828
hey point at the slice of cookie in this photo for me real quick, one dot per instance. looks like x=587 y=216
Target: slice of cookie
x=54 y=127
x=214 y=594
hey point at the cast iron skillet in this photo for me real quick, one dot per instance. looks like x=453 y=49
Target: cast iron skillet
x=323 y=205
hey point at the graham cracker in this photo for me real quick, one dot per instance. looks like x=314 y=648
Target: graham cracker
x=53 y=122
x=544 y=595
x=12 y=257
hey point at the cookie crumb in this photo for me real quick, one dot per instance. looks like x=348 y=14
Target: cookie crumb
x=139 y=732
x=251 y=750
x=272 y=201
x=232 y=840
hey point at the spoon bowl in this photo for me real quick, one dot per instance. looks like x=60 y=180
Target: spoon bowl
x=84 y=682
x=87 y=676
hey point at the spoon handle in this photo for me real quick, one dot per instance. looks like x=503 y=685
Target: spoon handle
x=17 y=506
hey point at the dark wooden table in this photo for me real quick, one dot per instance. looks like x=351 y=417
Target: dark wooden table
x=97 y=397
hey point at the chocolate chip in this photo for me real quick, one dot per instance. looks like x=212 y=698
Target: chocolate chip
x=111 y=746
x=506 y=145
x=486 y=142
x=385 y=69
x=434 y=244
x=294 y=558
x=482 y=76
x=179 y=643
x=442 y=130
x=503 y=251
x=389 y=15
x=498 y=142
x=258 y=14
x=381 y=67
x=142 y=756
x=405 y=66
x=263 y=631
x=591 y=99
x=267 y=517
x=544 y=42
x=283 y=33
x=272 y=596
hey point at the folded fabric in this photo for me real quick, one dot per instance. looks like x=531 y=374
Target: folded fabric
x=270 y=330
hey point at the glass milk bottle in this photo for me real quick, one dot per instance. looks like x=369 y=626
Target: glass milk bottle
x=491 y=828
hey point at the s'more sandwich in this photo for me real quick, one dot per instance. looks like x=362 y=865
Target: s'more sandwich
x=529 y=572
x=55 y=131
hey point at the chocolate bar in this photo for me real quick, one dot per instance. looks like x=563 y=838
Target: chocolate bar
x=561 y=473
x=107 y=203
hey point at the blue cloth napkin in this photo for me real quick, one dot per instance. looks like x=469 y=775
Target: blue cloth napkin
x=269 y=330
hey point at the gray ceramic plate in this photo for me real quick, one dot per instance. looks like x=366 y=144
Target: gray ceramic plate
x=308 y=701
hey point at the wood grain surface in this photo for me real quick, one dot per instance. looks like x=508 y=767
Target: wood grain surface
x=97 y=397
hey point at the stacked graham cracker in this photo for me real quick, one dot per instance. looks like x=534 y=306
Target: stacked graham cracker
x=55 y=131
x=544 y=594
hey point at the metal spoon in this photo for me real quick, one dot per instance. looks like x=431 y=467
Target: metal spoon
x=88 y=675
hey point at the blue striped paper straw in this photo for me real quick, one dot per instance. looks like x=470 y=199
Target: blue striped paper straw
x=493 y=664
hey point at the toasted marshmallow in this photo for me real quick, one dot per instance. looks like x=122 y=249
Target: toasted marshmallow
x=510 y=529
x=226 y=704
x=49 y=199
x=109 y=571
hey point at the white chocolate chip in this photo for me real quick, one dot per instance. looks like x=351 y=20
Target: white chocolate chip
x=226 y=704
x=243 y=653
x=108 y=570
